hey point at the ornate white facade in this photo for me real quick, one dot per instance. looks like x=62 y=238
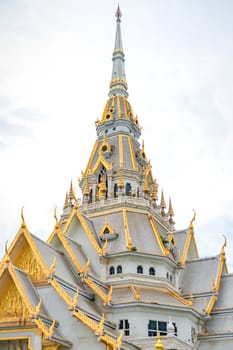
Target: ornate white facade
x=115 y=272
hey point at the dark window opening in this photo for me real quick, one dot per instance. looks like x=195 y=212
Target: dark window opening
x=152 y=328
x=128 y=189
x=162 y=327
x=139 y=269
x=167 y=275
x=151 y=271
x=112 y=270
x=175 y=329
x=124 y=324
x=115 y=190
x=119 y=269
x=170 y=278
x=90 y=196
x=106 y=231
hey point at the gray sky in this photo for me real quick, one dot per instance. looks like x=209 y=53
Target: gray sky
x=55 y=68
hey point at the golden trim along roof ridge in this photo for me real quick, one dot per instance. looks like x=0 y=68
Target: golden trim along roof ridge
x=190 y=237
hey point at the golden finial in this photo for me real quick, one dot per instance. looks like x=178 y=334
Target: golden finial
x=137 y=294
x=170 y=209
x=53 y=265
x=71 y=192
x=224 y=246
x=155 y=190
x=119 y=340
x=38 y=307
x=190 y=301
x=51 y=328
x=159 y=345
x=162 y=202
x=75 y=299
x=100 y=328
x=86 y=190
x=104 y=248
x=146 y=188
x=193 y=219
x=109 y=296
x=23 y=225
x=55 y=217
x=86 y=267
x=7 y=256
x=66 y=201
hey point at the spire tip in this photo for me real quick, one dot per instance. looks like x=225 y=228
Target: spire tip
x=118 y=13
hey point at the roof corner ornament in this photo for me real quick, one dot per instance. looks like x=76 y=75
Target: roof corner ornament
x=23 y=224
x=7 y=256
x=119 y=341
x=53 y=266
x=100 y=328
x=193 y=219
x=51 y=328
x=224 y=246
x=38 y=307
x=75 y=299
x=55 y=217
x=108 y=297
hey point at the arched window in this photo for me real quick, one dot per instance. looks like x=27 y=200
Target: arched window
x=170 y=278
x=112 y=270
x=115 y=190
x=128 y=189
x=139 y=269
x=119 y=269
x=151 y=271
x=167 y=275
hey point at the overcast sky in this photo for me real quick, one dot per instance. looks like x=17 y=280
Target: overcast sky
x=55 y=68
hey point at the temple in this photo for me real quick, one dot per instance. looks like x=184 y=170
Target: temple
x=115 y=273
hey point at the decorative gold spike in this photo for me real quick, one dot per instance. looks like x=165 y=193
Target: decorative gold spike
x=100 y=329
x=143 y=146
x=53 y=265
x=104 y=249
x=193 y=219
x=155 y=191
x=86 y=267
x=137 y=294
x=119 y=341
x=102 y=189
x=38 y=307
x=66 y=201
x=224 y=246
x=146 y=188
x=55 y=217
x=86 y=190
x=71 y=192
x=23 y=225
x=159 y=345
x=190 y=301
x=109 y=296
x=51 y=328
x=120 y=181
x=7 y=256
x=170 y=209
x=75 y=300
x=162 y=202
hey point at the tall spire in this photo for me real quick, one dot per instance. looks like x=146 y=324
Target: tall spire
x=118 y=84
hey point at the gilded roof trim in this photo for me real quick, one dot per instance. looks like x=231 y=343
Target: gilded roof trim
x=157 y=236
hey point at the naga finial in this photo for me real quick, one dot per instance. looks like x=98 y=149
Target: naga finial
x=55 y=217
x=23 y=225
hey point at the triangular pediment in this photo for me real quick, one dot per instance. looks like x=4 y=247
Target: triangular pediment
x=11 y=301
x=24 y=254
